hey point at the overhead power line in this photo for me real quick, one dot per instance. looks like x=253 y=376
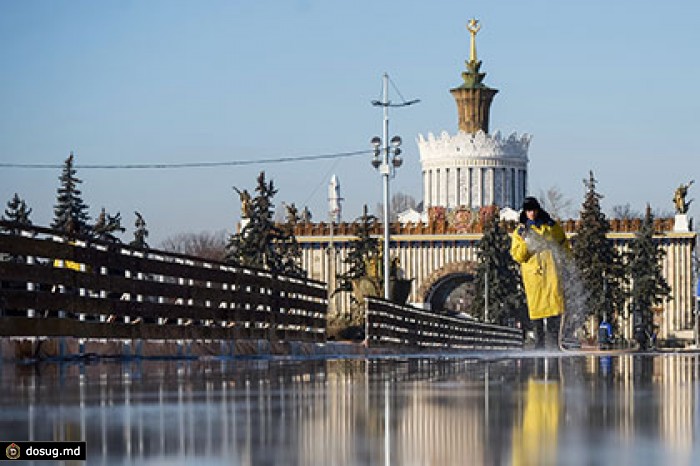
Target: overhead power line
x=230 y=163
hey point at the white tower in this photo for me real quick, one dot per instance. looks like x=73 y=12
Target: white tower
x=474 y=168
x=334 y=199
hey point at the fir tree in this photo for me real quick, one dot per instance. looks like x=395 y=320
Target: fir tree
x=70 y=212
x=261 y=243
x=506 y=299
x=648 y=286
x=360 y=251
x=288 y=252
x=599 y=263
x=106 y=225
x=17 y=212
x=140 y=233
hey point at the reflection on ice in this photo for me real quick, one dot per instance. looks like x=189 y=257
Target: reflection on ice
x=628 y=409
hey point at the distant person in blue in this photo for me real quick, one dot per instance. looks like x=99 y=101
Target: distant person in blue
x=605 y=334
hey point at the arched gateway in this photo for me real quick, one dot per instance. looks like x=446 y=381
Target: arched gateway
x=449 y=288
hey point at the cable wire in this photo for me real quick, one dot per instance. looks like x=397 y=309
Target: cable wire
x=230 y=163
x=393 y=84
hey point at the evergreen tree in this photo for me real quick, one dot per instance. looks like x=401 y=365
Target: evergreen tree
x=599 y=263
x=17 y=212
x=288 y=252
x=70 y=212
x=360 y=251
x=648 y=286
x=106 y=225
x=261 y=243
x=140 y=233
x=506 y=299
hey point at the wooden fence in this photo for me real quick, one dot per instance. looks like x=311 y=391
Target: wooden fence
x=390 y=324
x=50 y=286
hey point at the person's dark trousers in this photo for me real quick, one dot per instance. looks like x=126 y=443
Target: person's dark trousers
x=547 y=333
x=551 y=338
x=538 y=326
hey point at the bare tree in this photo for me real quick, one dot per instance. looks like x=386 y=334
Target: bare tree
x=555 y=203
x=625 y=212
x=205 y=244
x=399 y=203
x=659 y=212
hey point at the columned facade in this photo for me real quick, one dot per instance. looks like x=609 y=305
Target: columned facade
x=424 y=255
x=474 y=170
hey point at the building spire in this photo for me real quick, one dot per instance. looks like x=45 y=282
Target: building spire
x=473 y=27
x=473 y=97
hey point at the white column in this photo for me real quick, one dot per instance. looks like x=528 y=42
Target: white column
x=492 y=185
x=480 y=187
x=437 y=187
x=469 y=187
x=506 y=183
x=431 y=183
x=446 y=189
x=504 y=188
x=458 y=187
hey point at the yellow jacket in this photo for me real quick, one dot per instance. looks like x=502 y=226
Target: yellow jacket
x=540 y=271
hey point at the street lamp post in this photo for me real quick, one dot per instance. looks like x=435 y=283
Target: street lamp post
x=387 y=167
x=334 y=210
x=696 y=301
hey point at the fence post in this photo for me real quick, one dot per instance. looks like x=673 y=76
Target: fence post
x=273 y=309
x=367 y=326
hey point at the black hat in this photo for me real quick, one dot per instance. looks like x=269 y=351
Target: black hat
x=530 y=203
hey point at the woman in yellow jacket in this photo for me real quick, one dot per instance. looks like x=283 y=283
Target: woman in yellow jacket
x=538 y=246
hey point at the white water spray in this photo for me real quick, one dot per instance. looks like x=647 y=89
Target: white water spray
x=575 y=296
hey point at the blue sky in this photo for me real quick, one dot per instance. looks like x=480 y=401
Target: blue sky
x=601 y=85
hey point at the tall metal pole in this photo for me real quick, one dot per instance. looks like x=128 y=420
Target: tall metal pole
x=486 y=296
x=334 y=213
x=696 y=295
x=331 y=270
x=384 y=165
x=697 y=316
x=385 y=174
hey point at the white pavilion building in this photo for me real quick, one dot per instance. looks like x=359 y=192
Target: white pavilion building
x=473 y=168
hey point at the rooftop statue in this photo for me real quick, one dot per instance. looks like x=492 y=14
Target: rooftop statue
x=246 y=206
x=679 y=198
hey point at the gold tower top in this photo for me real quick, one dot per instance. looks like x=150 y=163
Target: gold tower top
x=473 y=97
x=473 y=27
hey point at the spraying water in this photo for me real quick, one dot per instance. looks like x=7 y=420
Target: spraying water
x=575 y=295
